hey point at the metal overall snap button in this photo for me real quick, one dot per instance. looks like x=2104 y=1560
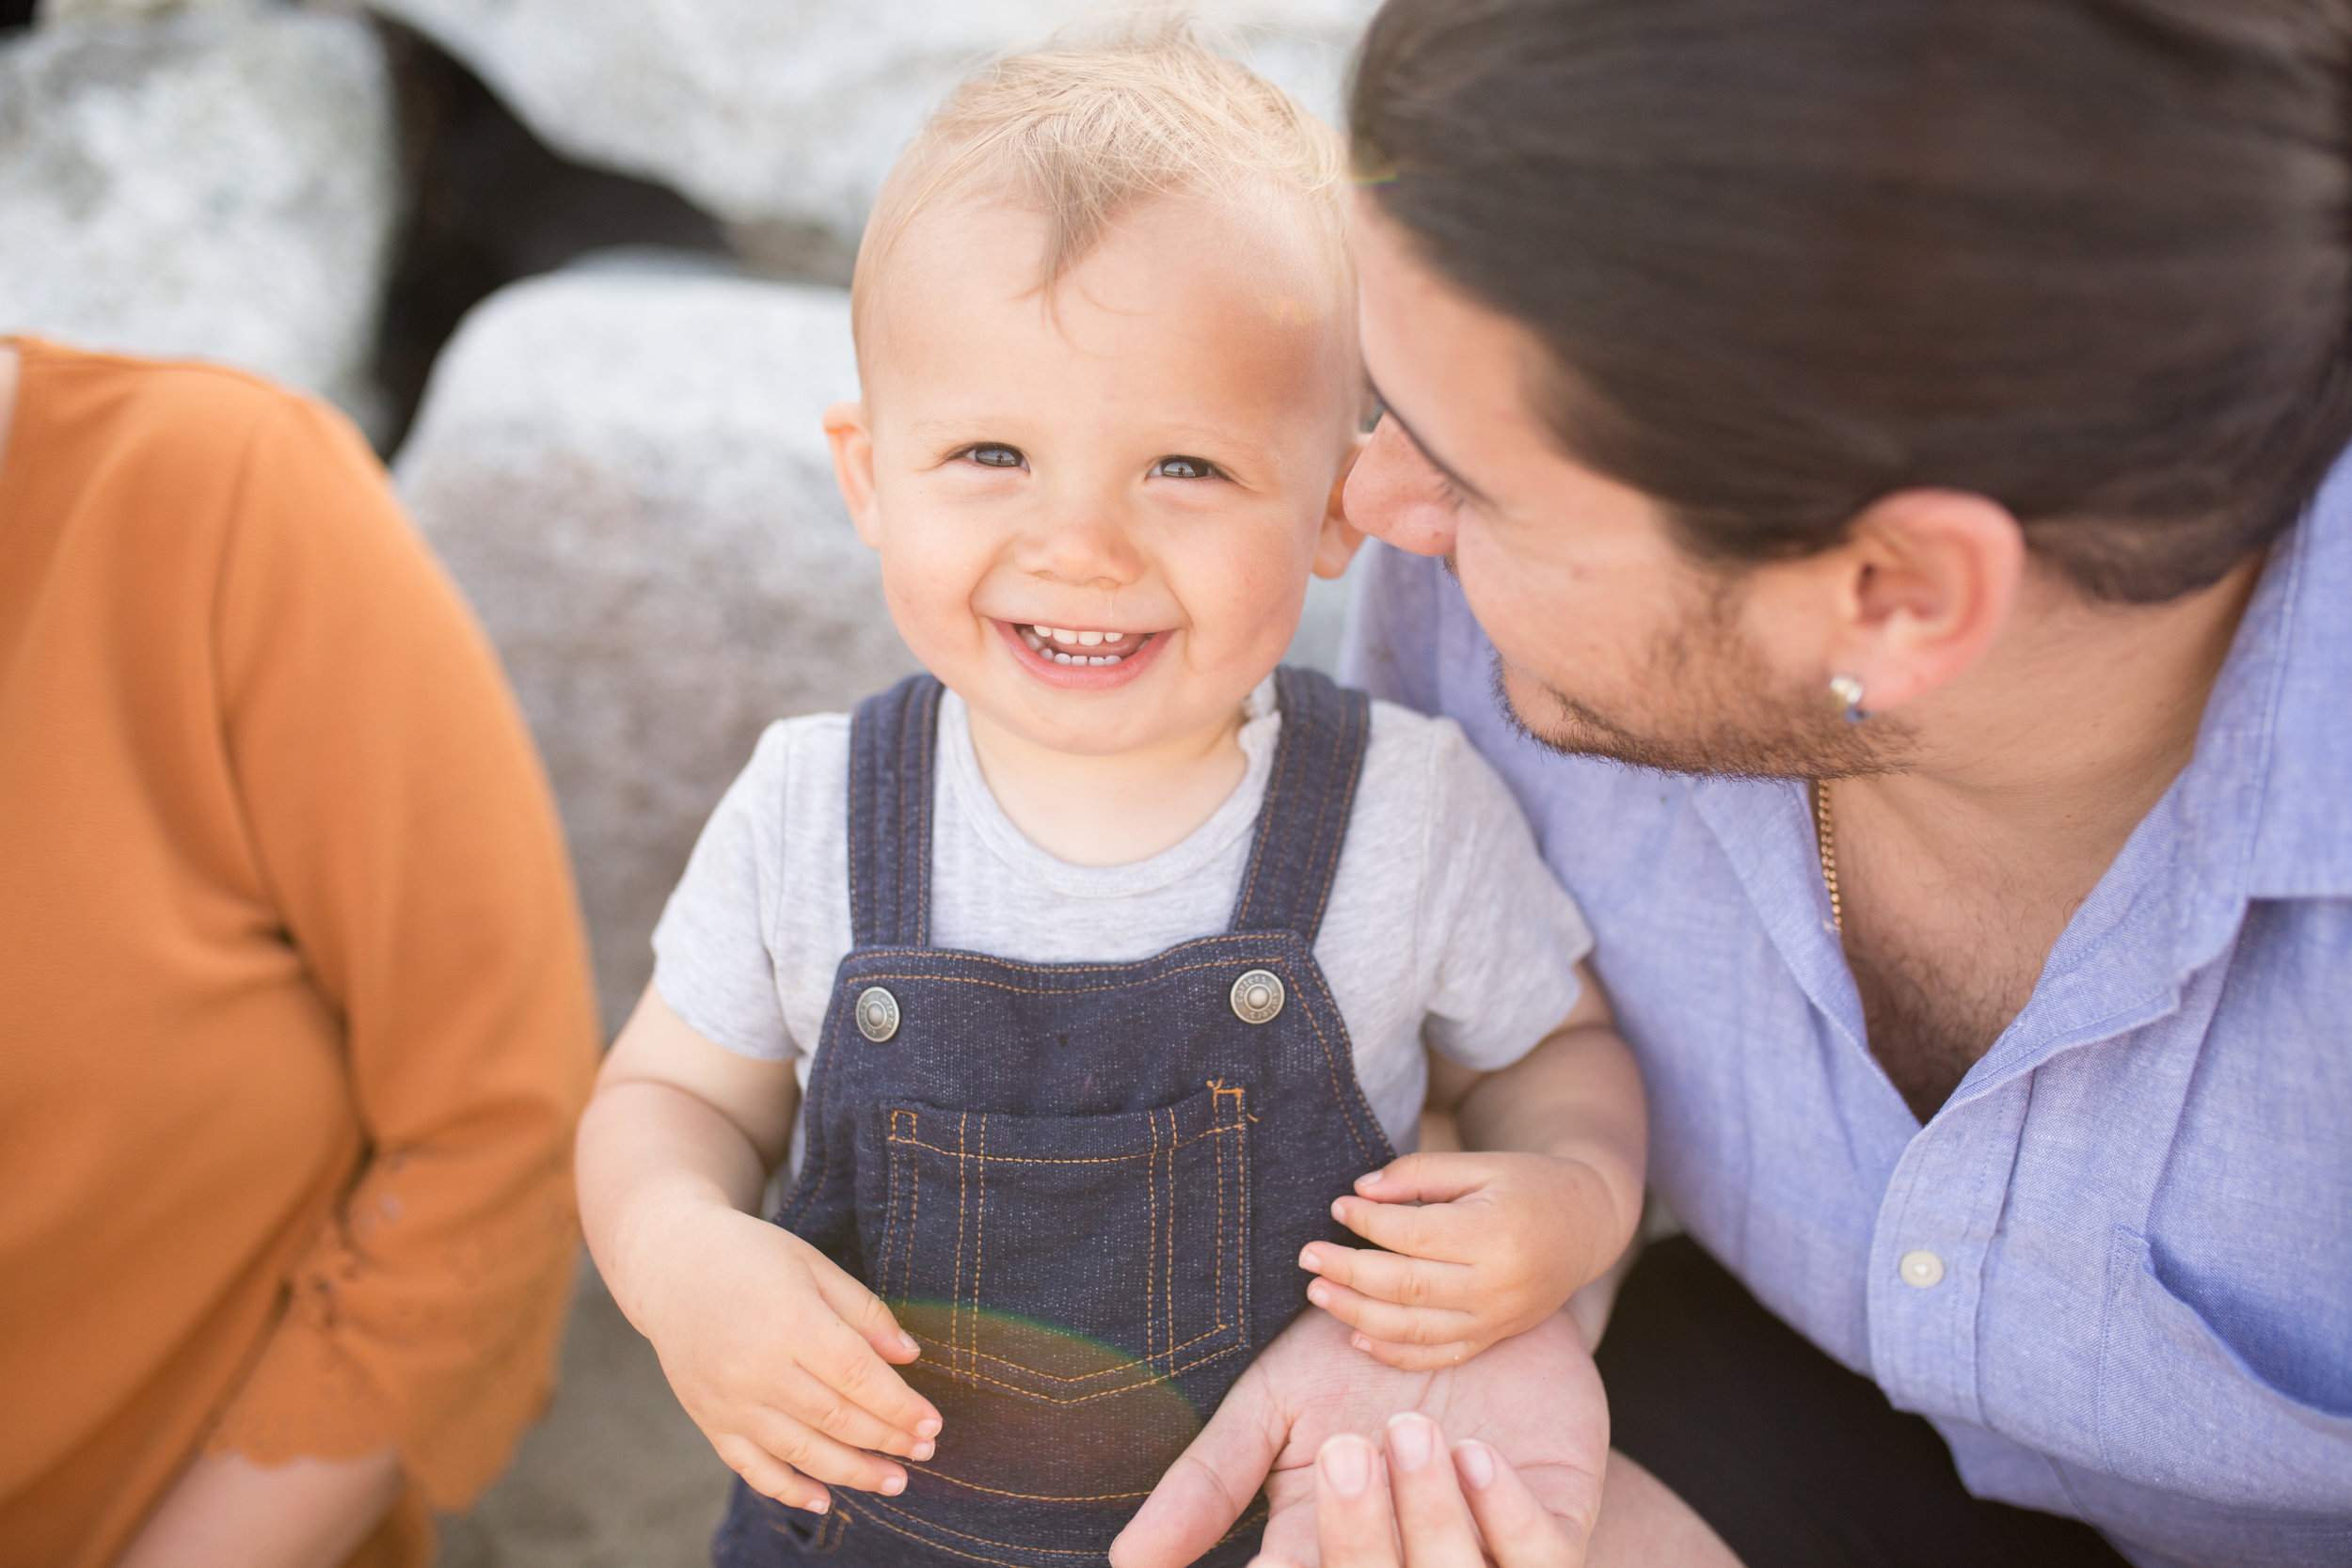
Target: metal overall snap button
x=877 y=1014
x=1257 y=996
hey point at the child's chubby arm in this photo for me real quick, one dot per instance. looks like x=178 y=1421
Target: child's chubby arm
x=782 y=1358
x=1486 y=1245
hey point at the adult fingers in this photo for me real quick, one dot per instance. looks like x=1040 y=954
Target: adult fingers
x=770 y=1476
x=833 y=1413
x=1435 y=1231
x=1431 y=1516
x=1381 y=1320
x=1197 y=1501
x=1392 y=1277
x=1352 y=1518
x=1426 y=1177
x=1521 y=1532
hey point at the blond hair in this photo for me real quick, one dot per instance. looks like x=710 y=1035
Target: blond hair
x=1084 y=133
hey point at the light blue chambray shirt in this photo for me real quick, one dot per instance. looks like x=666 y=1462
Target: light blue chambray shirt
x=2141 y=1196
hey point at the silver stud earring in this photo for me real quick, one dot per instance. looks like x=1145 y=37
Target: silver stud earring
x=1848 y=690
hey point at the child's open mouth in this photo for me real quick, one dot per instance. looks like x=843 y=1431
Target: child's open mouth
x=1064 y=645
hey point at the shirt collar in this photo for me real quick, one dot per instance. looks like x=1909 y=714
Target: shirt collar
x=2282 y=704
x=2258 y=813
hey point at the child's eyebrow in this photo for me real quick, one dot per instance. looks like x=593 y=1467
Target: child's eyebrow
x=1388 y=410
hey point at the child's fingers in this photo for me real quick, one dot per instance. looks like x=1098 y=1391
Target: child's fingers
x=770 y=1476
x=843 y=1358
x=863 y=1311
x=847 y=1366
x=820 y=1458
x=1426 y=1178
x=1379 y=1319
x=1415 y=1359
x=1435 y=1231
x=831 y=1413
x=1392 y=1277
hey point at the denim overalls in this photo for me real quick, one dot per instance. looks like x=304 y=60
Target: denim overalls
x=1082 y=1187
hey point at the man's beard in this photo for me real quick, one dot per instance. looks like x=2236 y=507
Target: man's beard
x=1712 y=706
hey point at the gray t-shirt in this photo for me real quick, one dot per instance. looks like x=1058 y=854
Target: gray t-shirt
x=1443 y=926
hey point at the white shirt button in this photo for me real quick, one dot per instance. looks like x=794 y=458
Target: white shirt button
x=1921 y=1268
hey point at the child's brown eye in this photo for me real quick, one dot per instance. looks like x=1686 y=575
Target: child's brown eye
x=991 y=455
x=1183 y=467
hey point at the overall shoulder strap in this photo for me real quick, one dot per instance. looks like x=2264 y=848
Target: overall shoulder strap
x=1308 y=797
x=892 y=740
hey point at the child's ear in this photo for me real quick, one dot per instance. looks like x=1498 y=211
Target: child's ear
x=1336 y=543
x=853 y=467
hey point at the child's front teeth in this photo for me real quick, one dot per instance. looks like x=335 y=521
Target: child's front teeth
x=1050 y=641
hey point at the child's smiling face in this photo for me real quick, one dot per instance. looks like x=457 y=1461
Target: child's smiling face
x=1098 y=505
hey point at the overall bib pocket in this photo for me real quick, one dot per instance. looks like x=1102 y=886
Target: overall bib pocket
x=1060 y=1272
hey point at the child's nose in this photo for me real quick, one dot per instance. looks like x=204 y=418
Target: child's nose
x=1086 y=542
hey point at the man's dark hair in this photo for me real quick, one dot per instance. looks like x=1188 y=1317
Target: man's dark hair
x=2091 y=259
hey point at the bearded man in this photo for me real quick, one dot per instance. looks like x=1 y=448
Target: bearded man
x=1879 y=455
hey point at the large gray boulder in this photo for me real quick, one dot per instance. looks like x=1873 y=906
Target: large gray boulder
x=216 y=184
x=781 y=116
x=628 y=477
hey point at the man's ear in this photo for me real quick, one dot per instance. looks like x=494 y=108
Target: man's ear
x=1338 y=540
x=853 y=442
x=1921 y=588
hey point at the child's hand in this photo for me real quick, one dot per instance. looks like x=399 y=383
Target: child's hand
x=1480 y=1247
x=781 y=1357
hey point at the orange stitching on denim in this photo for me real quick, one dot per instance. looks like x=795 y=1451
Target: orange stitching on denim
x=1152 y=1192
x=1314 y=977
x=980 y=1237
x=963 y=1208
x=914 y=1216
x=1241 y=1230
x=890 y=1206
x=1173 y=1372
x=1144 y=1362
x=937 y=1474
x=1217 y=1241
x=1167 y=1254
x=943 y=1547
x=1046 y=1160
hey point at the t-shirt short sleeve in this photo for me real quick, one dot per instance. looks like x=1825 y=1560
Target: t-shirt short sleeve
x=713 y=961
x=1505 y=938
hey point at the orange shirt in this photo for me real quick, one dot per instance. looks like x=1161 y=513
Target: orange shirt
x=296 y=1016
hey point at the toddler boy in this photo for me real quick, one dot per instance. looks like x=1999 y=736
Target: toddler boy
x=1096 y=967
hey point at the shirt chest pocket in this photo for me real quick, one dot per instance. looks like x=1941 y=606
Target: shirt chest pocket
x=2181 y=1410
x=1065 y=1259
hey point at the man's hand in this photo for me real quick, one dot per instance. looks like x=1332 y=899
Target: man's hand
x=1418 y=1506
x=1535 y=1399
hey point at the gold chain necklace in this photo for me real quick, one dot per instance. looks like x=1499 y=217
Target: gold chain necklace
x=1826 y=837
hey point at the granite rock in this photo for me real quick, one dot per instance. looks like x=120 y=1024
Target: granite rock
x=627 y=475
x=781 y=116
x=216 y=184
